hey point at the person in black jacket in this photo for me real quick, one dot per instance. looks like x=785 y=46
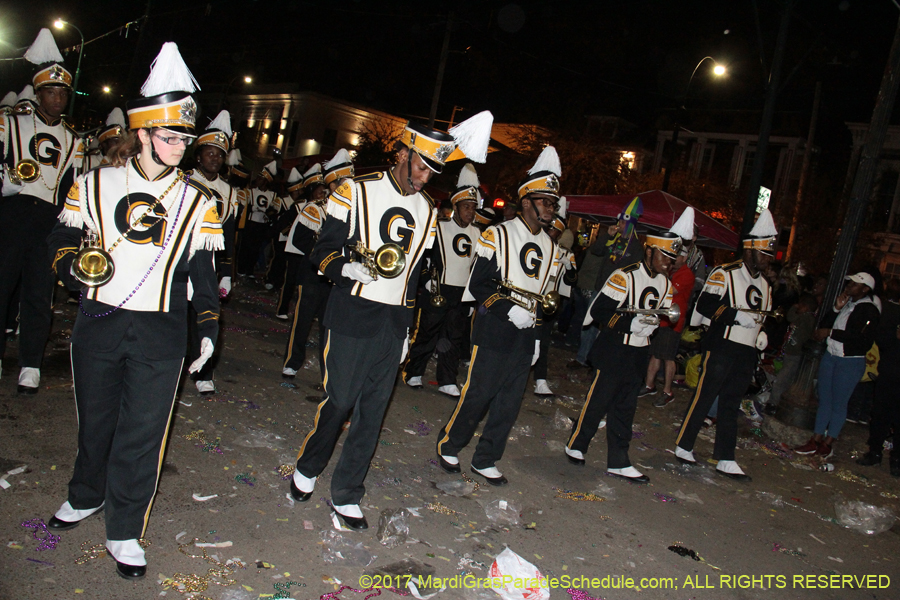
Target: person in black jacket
x=886 y=406
x=849 y=330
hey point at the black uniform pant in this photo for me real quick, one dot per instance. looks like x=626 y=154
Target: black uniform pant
x=312 y=298
x=25 y=223
x=540 y=367
x=612 y=394
x=124 y=402
x=886 y=411
x=275 y=273
x=726 y=374
x=494 y=386
x=442 y=329
x=289 y=285
x=359 y=379
x=251 y=242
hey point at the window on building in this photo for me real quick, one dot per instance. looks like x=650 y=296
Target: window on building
x=329 y=141
x=884 y=199
x=891 y=270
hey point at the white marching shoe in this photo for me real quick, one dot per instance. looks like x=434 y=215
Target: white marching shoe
x=206 y=387
x=414 y=382
x=29 y=380
x=541 y=388
x=685 y=456
x=450 y=390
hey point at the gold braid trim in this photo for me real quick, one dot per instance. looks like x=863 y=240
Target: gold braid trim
x=60 y=253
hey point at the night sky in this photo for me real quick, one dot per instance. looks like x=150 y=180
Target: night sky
x=536 y=61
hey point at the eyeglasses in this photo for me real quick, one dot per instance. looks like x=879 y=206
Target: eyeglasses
x=549 y=203
x=174 y=141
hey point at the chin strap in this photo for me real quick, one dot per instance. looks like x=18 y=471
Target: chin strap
x=153 y=153
x=409 y=170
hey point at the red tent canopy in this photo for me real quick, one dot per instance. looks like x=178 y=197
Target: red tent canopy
x=661 y=210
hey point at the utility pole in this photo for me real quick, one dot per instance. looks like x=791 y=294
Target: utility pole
x=445 y=50
x=804 y=170
x=765 y=128
x=865 y=173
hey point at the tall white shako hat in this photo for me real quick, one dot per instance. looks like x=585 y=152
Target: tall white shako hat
x=313 y=176
x=115 y=126
x=339 y=167
x=294 y=181
x=50 y=70
x=217 y=133
x=167 y=101
x=236 y=166
x=9 y=100
x=670 y=242
x=268 y=172
x=467 y=187
x=543 y=177
x=763 y=235
x=472 y=137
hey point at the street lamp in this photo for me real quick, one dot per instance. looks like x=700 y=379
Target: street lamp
x=247 y=80
x=718 y=70
x=60 y=24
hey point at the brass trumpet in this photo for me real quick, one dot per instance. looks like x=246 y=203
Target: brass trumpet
x=761 y=315
x=25 y=171
x=92 y=266
x=529 y=300
x=437 y=300
x=650 y=316
x=388 y=261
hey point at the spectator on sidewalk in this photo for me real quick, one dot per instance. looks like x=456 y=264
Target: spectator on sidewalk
x=801 y=320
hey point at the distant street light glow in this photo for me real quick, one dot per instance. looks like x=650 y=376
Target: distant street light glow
x=719 y=70
x=248 y=79
x=106 y=89
x=59 y=23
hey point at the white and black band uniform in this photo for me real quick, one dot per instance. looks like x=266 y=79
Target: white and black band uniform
x=28 y=213
x=313 y=289
x=282 y=219
x=729 y=353
x=621 y=358
x=502 y=353
x=444 y=329
x=287 y=221
x=126 y=363
x=564 y=288
x=366 y=325
x=260 y=205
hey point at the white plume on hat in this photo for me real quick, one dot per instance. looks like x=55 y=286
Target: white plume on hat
x=474 y=135
x=27 y=93
x=468 y=177
x=316 y=168
x=547 y=161
x=234 y=158
x=293 y=176
x=341 y=157
x=764 y=226
x=222 y=122
x=684 y=226
x=563 y=207
x=272 y=168
x=168 y=73
x=116 y=117
x=44 y=49
x=9 y=99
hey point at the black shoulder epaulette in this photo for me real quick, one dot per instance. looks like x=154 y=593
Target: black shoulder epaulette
x=189 y=172
x=200 y=187
x=430 y=200
x=72 y=129
x=732 y=265
x=631 y=267
x=369 y=177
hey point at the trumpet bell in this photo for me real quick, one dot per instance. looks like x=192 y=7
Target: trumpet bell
x=674 y=314
x=438 y=301
x=390 y=260
x=25 y=171
x=93 y=266
x=550 y=302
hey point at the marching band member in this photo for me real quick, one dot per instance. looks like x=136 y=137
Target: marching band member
x=368 y=319
x=504 y=338
x=313 y=289
x=732 y=291
x=621 y=350
x=9 y=100
x=160 y=227
x=443 y=326
x=40 y=153
x=310 y=188
x=212 y=149
x=108 y=136
x=262 y=202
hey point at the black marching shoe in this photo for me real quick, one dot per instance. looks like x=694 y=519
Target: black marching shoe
x=447 y=466
x=639 y=478
x=869 y=459
x=60 y=525
x=354 y=523
x=131 y=572
x=298 y=495
x=25 y=390
x=495 y=481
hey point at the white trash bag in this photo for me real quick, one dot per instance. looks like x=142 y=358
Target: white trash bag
x=521 y=580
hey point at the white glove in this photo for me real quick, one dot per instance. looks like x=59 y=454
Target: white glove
x=471 y=311
x=206 y=350
x=537 y=352
x=358 y=272
x=10 y=188
x=225 y=286
x=520 y=317
x=429 y=284
x=745 y=320
x=405 y=347
x=641 y=329
x=762 y=340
